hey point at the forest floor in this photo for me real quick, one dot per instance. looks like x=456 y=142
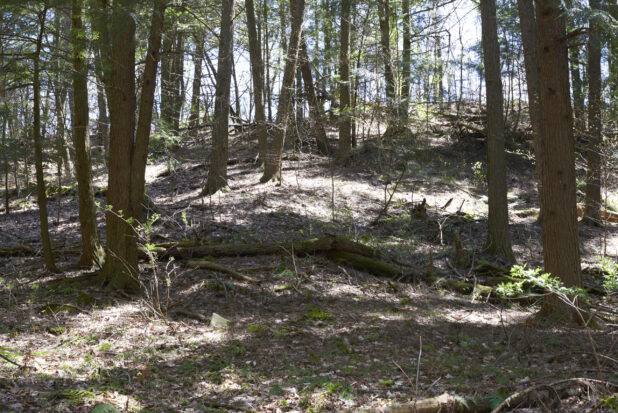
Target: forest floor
x=313 y=335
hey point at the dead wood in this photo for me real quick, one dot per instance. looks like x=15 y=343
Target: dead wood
x=442 y=403
x=373 y=265
x=209 y=265
x=18 y=250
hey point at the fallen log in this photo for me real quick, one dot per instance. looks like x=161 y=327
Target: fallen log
x=209 y=265
x=442 y=403
x=373 y=265
x=17 y=250
x=315 y=245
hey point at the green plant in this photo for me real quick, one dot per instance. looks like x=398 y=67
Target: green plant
x=610 y=274
x=479 y=174
x=528 y=278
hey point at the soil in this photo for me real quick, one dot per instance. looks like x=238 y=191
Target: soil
x=312 y=336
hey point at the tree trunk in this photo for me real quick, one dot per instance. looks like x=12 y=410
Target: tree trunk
x=406 y=70
x=92 y=251
x=315 y=113
x=102 y=120
x=272 y=167
x=128 y=149
x=389 y=76
x=38 y=148
x=498 y=239
x=194 y=117
x=527 y=21
x=559 y=208
x=257 y=73
x=578 y=93
x=177 y=78
x=345 y=139
x=592 y=210
x=217 y=174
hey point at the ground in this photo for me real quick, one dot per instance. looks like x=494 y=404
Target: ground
x=312 y=336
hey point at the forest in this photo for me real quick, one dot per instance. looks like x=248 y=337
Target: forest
x=308 y=206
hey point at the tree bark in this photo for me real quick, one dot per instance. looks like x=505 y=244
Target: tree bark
x=128 y=149
x=257 y=73
x=272 y=167
x=592 y=209
x=498 y=239
x=389 y=75
x=38 y=147
x=407 y=62
x=345 y=138
x=92 y=251
x=198 y=57
x=315 y=110
x=217 y=174
x=559 y=208
x=527 y=21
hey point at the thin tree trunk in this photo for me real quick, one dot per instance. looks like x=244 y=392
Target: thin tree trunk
x=315 y=112
x=217 y=174
x=389 y=76
x=194 y=117
x=257 y=72
x=345 y=139
x=592 y=209
x=578 y=93
x=498 y=239
x=92 y=251
x=528 y=33
x=38 y=148
x=559 y=209
x=272 y=167
x=406 y=70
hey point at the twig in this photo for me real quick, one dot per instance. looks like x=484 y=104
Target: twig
x=11 y=361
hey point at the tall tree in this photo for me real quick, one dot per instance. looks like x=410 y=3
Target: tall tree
x=257 y=73
x=217 y=174
x=498 y=239
x=527 y=21
x=48 y=256
x=345 y=138
x=384 y=12
x=92 y=252
x=198 y=57
x=128 y=148
x=559 y=209
x=406 y=60
x=592 y=209
x=272 y=167
x=315 y=110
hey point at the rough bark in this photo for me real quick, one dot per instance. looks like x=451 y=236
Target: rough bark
x=128 y=150
x=406 y=70
x=315 y=110
x=389 y=75
x=38 y=148
x=198 y=57
x=498 y=239
x=592 y=209
x=272 y=167
x=558 y=206
x=345 y=138
x=217 y=174
x=92 y=251
x=257 y=73
x=527 y=21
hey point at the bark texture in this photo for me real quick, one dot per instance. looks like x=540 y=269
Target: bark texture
x=498 y=239
x=217 y=174
x=92 y=251
x=272 y=167
x=345 y=137
x=559 y=209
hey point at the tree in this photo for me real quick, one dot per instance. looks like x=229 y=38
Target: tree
x=592 y=208
x=558 y=205
x=498 y=238
x=272 y=167
x=257 y=73
x=406 y=61
x=217 y=174
x=345 y=123
x=92 y=252
x=389 y=75
x=527 y=22
x=128 y=147
x=194 y=117
x=48 y=256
